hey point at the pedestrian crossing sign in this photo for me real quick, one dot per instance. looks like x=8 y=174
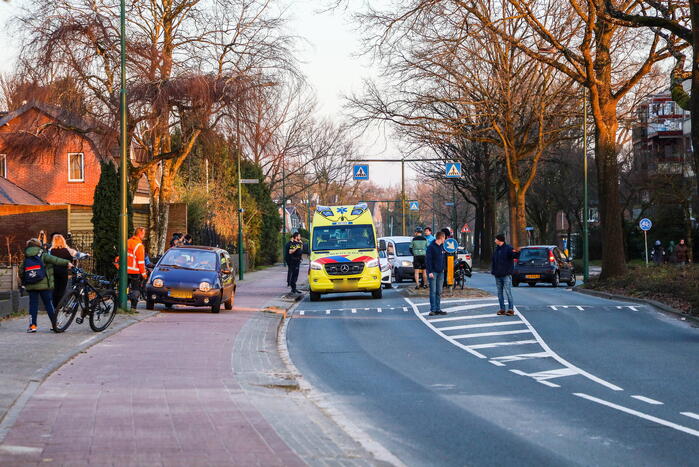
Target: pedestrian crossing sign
x=361 y=172
x=414 y=206
x=453 y=169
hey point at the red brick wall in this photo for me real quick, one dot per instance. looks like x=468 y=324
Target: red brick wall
x=42 y=168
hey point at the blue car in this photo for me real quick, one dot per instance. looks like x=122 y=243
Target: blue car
x=195 y=276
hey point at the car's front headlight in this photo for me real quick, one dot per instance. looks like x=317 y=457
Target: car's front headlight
x=158 y=283
x=316 y=266
x=204 y=286
x=407 y=264
x=372 y=263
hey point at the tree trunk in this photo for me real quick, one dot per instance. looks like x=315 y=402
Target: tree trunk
x=512 y=214
x=521 y=218
x=489 y=206
x=478 y=230
x=694 y=98
x=613 y=259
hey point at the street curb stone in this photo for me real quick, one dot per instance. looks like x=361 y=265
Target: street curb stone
x=41 y=374
x=320 y=400
x=645 y=301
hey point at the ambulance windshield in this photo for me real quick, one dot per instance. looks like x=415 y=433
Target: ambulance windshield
x=343 y=237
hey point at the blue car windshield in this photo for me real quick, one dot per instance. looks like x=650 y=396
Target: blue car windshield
x=343 y=237
x=200 y=260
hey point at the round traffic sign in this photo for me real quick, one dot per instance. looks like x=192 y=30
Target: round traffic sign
x=645 y=224
x=451 y=245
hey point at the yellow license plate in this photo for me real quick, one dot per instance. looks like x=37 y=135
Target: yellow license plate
x=533 y=276
x=181 y=293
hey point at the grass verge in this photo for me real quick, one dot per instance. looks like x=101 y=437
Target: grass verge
x=674 y=286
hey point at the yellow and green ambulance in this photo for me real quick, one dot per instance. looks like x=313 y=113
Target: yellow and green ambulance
x=343 y=251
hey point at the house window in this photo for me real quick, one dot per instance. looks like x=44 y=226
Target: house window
x=76 y=167
x=3 y=165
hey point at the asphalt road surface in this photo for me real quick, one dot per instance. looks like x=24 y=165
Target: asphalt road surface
x=569 y=380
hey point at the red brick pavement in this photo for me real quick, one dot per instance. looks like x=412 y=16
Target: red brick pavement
x=160 y=392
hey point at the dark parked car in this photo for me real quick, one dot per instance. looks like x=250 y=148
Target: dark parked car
x=546 y=263
x=194 y=276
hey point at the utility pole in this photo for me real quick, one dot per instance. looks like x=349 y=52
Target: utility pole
x=241 y=262
x=453 y=202
x=283 y=207
x=123 y=182
x=586 y=215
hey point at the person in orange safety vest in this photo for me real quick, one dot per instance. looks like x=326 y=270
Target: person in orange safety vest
x=135 y=264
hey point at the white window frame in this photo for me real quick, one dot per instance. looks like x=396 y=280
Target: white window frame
x=82 y=167
x=3 y=157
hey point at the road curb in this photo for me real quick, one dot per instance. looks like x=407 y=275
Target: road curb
x=321 y=401
x=644 y=301
x=40 y=375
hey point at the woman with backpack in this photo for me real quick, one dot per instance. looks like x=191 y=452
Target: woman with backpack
x=38 y=280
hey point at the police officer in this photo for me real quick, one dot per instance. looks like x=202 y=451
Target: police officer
x=294 y=253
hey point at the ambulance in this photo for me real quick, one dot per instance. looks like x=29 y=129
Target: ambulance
x=344 y=252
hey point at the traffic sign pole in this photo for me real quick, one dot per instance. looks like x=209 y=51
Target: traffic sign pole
x=645 y=238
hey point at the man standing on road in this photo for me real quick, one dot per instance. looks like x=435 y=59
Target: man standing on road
x=435 y=261
x=503 y=265
x=294 y=252
x=418 y=247
x=136 y=265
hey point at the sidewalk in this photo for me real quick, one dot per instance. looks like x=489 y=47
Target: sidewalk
x=185 y=387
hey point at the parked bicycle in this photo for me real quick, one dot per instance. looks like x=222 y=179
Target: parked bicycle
x=461 y=272
x=98 y=302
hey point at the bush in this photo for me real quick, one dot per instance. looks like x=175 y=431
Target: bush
x=676 y=286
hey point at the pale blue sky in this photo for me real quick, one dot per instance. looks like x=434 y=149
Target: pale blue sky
x=329 y=59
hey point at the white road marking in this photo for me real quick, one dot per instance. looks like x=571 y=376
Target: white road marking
x=468 y=307
x=690 y=415
x=354 y=310
x=458 y=318
x=459 y=300
x=563 y=361
x=327 y=312
x=551 y=374
x=519 y=372
x=553 y=307
x=500 y=344
x=480 y=325
x=633 y=308
x=367 y=309
x=648 y=400
x=522 y=356
x=642 y=415
x=440 y=333
x=405 y=308
x=550 y=384
x=486 y=334
x=13 y=449
x=378 y=310
x=496 y=363
x=302 y=312
x=580 y=308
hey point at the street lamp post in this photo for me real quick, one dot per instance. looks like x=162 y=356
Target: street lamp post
x=586 y=216
x=123 y=183
x=240 y=192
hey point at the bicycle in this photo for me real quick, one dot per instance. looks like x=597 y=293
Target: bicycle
x=98 y=303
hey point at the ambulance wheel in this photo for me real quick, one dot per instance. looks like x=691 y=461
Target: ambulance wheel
x=377 y=293
x=315 y=296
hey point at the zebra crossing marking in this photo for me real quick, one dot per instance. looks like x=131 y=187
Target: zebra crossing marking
x=479 y=325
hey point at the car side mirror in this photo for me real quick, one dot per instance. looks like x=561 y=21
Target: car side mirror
x=382 y=245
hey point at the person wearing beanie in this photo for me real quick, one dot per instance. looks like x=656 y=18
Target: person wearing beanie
x=502 y=267
x=38 y=278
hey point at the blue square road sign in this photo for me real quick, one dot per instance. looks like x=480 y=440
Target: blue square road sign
x=360 y=172
x=452 y=169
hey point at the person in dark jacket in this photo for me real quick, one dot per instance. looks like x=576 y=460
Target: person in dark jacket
x=435 y=263
x=502 y=267
x=658 y=253
x=59 y=249
x=43 y=288
x=682 y=253
x=294 y=253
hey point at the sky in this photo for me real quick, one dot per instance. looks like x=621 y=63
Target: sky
x=329 y=57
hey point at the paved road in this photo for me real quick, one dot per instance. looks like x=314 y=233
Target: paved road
x=570 y=380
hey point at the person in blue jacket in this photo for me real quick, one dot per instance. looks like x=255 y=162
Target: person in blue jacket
x=435 y=262
x=503 y=265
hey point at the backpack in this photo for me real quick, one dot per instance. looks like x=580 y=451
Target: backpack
x=33 y=270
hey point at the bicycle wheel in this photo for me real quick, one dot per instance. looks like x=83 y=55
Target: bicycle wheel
x=66 y=311
x=102 y=311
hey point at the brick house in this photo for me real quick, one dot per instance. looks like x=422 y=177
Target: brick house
x=53 y=154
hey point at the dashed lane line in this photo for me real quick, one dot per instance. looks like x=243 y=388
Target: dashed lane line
x=479 y=325
x=647 y=400
x=636 y=413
